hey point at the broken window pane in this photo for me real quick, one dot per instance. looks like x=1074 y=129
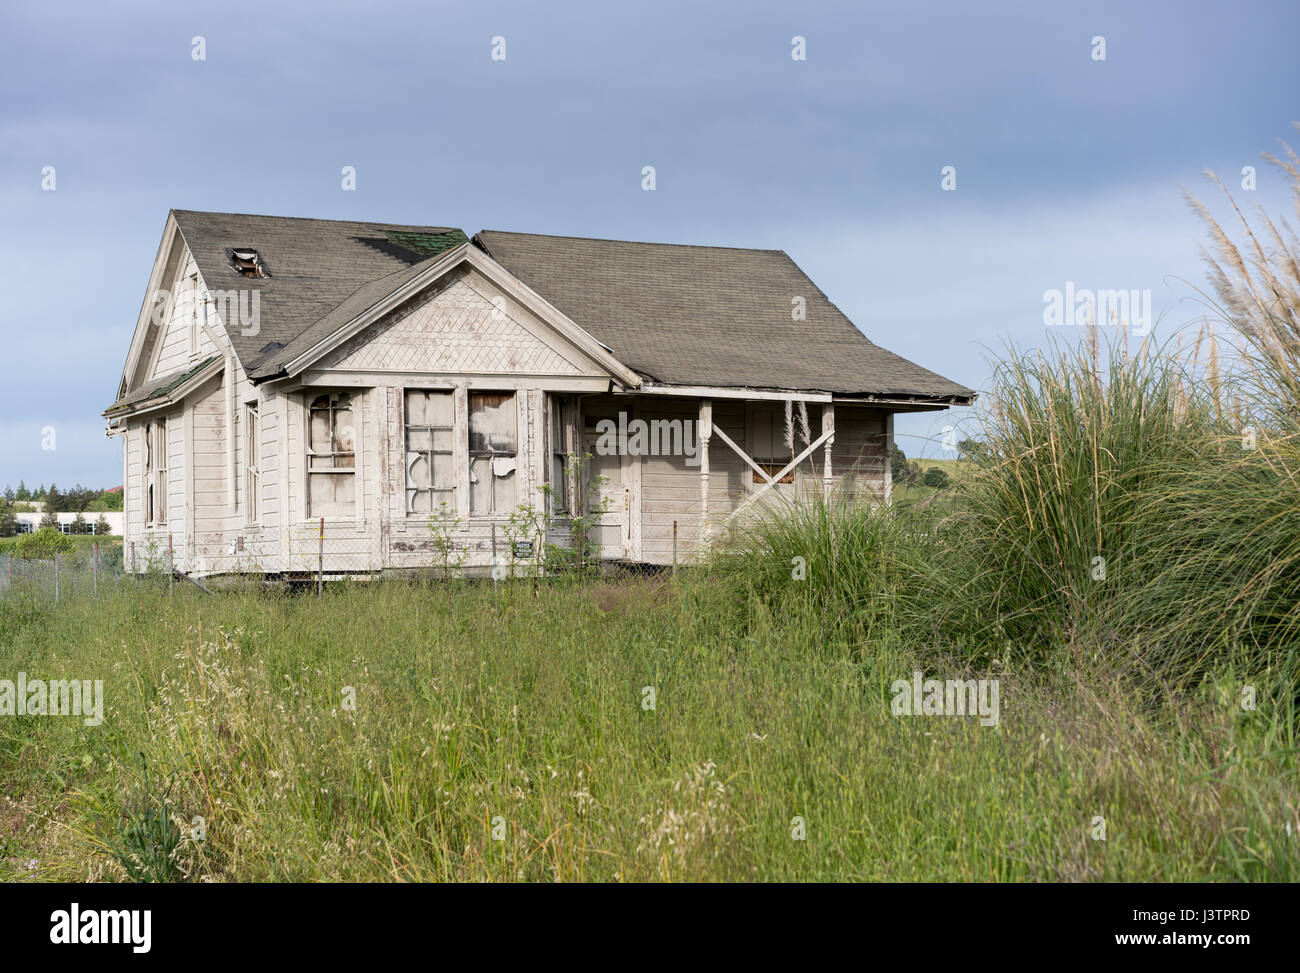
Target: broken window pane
x=430 y=418
x=492 y=450
x=331 y=456
x=159 y=454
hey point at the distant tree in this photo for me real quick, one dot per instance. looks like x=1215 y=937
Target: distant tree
x=935 y=477
x=23 y=493
x=106 y=500
x=53 y=499
x=898 y=464
x=8 y=520
x=101 y=525
x=79 y=498
x=79 y=524
x=9 y=494
x=40 y=493
x=49 y=519
x=974 y=450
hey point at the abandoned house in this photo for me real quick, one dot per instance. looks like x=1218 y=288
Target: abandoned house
x=304 y=392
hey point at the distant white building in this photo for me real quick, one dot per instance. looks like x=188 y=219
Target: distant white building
x=30 y=521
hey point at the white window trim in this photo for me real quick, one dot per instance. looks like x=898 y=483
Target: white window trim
x=358 y=451
x=252 y=464
x=469 y=456
x=154 y=475
x=195 y=323
x=456 y=486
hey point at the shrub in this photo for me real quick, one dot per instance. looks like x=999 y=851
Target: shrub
x=42 y=545
x=935 y=477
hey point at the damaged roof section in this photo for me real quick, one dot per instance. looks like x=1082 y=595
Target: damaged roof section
x=316 y=265
x=162 y=387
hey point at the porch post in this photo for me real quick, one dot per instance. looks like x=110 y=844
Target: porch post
x=889 y=458
x=706 y=433
x=828 y=426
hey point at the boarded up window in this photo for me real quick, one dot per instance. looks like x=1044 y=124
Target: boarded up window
x=331 y=456
x=492 y=453
x=430 y=438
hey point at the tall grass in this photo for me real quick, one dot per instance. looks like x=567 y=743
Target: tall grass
x=507 y=737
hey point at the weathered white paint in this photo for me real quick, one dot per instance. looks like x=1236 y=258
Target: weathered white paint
x=474 y=334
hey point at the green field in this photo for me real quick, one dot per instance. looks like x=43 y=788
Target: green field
x=508 y=737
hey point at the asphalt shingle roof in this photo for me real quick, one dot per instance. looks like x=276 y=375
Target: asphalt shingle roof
x=690 y=315
x=681 y=315
x=313 y=266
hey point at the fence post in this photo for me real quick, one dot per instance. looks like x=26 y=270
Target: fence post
x=171 y=564
x=133 y=557
x=674 y=548
x=320 y=560
x=494 y=560
x=56 y=577
x=95 y=569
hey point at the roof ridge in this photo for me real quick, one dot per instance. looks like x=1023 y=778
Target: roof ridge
x=315 y=219
x=636 y=243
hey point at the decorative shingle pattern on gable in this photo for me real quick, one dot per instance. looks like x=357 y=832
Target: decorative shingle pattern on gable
x=459 y=330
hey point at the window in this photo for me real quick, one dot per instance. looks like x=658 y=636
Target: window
x=247 y=263
x=146 y=470
x=561 y=419
x=331 y=456
x=195 y=306
x=492 y=446
x=252 y=463
x=430 y=437
x=155 y=472
x=770 y=450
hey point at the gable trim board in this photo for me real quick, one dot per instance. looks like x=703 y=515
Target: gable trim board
x=660 y=332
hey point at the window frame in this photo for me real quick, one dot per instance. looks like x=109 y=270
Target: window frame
x=771 y=462
x=195 y=341
x=560 y=453
x=490 y=455
x=154 y=473
x=429 y=456
x=354 y=406
x=252 y=463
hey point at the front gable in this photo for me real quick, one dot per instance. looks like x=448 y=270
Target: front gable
x=462 y=326
x=179 y=326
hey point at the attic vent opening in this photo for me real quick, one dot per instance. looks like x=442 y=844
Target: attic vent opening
x=247 y=263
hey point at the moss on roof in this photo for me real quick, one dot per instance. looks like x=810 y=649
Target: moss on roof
x=429 y=244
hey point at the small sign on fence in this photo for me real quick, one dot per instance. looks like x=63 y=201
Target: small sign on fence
x=523 y=550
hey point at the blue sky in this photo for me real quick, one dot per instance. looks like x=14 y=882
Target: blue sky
x=1068 y=168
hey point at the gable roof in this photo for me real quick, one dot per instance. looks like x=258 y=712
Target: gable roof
x=314 y=266
x=675 y=314
x=713 y=316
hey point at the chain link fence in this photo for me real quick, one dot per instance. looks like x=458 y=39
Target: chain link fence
x=84 y=572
